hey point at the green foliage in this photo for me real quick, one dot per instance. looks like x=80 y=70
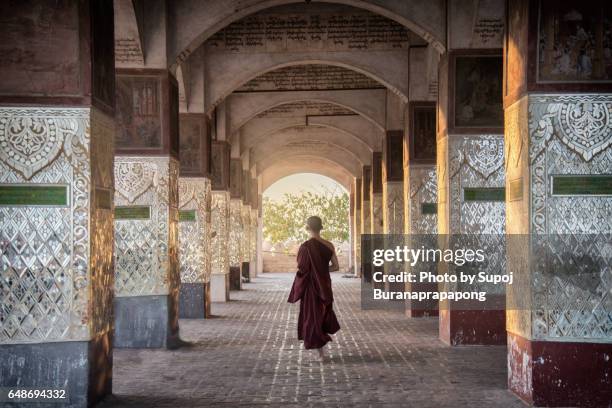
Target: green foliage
x=285 y=220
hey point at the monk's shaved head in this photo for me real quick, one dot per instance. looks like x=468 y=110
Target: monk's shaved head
x=314 y=223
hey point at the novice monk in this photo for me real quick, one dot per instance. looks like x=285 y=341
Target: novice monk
x=312 y=285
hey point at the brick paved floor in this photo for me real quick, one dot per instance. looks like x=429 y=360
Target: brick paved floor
x=248 y=355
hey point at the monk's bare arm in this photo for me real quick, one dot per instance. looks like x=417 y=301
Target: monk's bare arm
x=334 y=263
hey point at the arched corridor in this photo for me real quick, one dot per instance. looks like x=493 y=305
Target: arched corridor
x=137 y=139
x=247 y=354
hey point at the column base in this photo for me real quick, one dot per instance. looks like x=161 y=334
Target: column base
x=252 y=270
x=560 y=374
x=207 y=298
x=426 y=308
x=145 y=322
x=235 y=278
x=219 y=287
x=472 y=327
x=245 y=271
x=194 y=300
x=82 y=368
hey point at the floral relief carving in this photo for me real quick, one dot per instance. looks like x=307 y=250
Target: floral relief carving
x=133 y=179
x=31 y=140
x=582 y=123
x=486 y=155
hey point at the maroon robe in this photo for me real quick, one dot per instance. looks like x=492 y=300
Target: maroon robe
x=312 y=285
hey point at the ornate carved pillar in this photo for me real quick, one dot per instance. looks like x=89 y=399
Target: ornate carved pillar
x=56 y=189
x=220 y=223
x=351 y=255
x=236 y=221
x=366 y=195
x=245 y=242
x=470 y=167
x=473 y=198
x=194 y=246
x=357 y=226
x=259 y=228
x=366 y=213
x=147 y=278
x=246 y=226
x=420 y=171
x=393 y=197
x=470 y=191
x=194 y=216
x=376 y=201
x=559 y=161
x=254 y=227
x=421 y=194
x=393 y=183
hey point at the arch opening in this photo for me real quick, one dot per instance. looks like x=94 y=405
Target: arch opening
x=303 y=194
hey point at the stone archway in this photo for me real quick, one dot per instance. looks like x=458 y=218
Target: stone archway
x=369 y=104
x=265 y=144
x=197 y=21
x=229 y=76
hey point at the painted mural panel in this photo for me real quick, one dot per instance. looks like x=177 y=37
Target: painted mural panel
x=138 y=106
x=423 y=132
x=103 y=54
x=46 y=34
x=394 y=160
x=236 y=178
x=191 y=141
x=220 y=165
x=574 y=41
x=173 y=117
x=478 y=91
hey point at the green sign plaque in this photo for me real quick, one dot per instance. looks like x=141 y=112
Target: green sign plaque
x=582 y=185
x=135 y=212
x=187 y=215
x=24 y=195
x=484 y=194
x=429 y=208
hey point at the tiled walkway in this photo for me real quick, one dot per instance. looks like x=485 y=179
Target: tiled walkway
x=248 y=355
